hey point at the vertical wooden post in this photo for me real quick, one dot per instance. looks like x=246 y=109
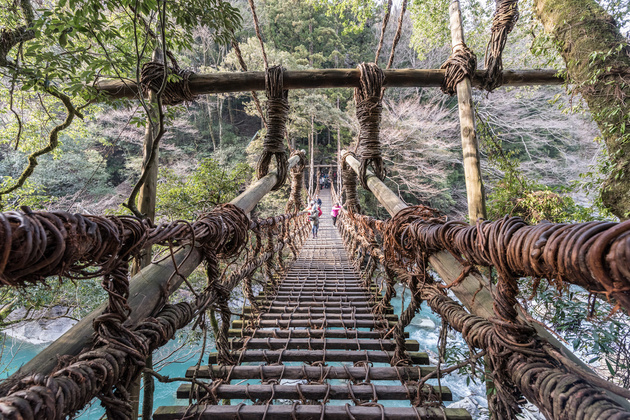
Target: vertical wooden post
x=147 y=198
x=472 y=168
x=475 y=191
x=311 y=152
x=338 y=156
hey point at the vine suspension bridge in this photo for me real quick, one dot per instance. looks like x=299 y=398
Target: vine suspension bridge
x=320 y=340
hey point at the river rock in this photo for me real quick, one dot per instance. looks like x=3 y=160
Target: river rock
x=476 y=406
x=424 y=323
x=43 y=326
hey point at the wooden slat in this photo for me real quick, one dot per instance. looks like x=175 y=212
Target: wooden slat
x=309 y=356
x=318 y=392
x=317 y=323
x=311 y=373
x=363 y=316
x=319 y=344
x=314 y=309
x=305 y=333
x=307 y=412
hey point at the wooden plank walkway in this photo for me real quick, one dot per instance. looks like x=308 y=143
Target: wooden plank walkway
x=312 y=349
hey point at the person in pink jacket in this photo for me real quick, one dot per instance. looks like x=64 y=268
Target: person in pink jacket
x=335 y=212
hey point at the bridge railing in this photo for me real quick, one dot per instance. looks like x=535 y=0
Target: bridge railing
x=107 y=349
x=525 y=359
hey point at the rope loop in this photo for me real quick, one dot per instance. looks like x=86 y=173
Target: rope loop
x=349 y=180
x=368 y=100
x=461 y=64
x=294 y=203
x=151 y=78
x=277 y=112
x=505 y=17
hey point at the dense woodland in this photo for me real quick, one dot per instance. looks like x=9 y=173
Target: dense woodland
x=548 y=152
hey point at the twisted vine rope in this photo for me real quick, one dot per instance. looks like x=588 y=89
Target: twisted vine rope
x=118 y=354
x=535 y=370
x=349 y=182
x=461 y=64
x=277 y=112
x=295 y=202
x=505 y=18
x=152 y=77
x=593 y=255
x=368 y=98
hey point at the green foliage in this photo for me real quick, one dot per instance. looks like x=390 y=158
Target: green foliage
x=354 y=14
x=209 y=184
x=430 y=25
x=516 y=195
x=588 y=324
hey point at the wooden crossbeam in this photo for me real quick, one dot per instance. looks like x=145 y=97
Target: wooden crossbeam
x=224 y=82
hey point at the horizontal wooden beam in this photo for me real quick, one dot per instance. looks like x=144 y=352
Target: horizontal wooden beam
x=146 y=289
x=224 y=82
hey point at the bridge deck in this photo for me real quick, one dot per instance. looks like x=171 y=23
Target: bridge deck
x=312 y=351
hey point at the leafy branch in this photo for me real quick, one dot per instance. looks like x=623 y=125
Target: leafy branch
x=53 y=140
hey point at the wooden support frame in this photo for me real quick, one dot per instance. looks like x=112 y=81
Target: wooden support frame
x=146 y=289
x=224 y=82
x=474 y=291
x=475 y=192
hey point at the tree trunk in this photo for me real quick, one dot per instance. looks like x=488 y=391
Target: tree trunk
x=598 y=65
x=231 y=112
x=214 y=140
x=220 y=115
x=147 y=199
x=311 y=152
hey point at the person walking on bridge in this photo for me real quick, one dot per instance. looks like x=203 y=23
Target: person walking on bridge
x=314 y=213
x=335 y=212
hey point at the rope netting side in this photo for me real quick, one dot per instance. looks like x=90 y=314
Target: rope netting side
x=293 y=235
x=504 y=19
x=295 y=202
x=41 y=244
x=277 y=113
x=593 y=255
x=118 y=354
x=536 y=371
x=368 y=99
x=349 y=184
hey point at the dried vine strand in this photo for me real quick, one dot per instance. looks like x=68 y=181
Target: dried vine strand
x=388 y=10
x=401 y=17
x=505 y=17
x=295 y=202
x=252 y=7
x=239 y=56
